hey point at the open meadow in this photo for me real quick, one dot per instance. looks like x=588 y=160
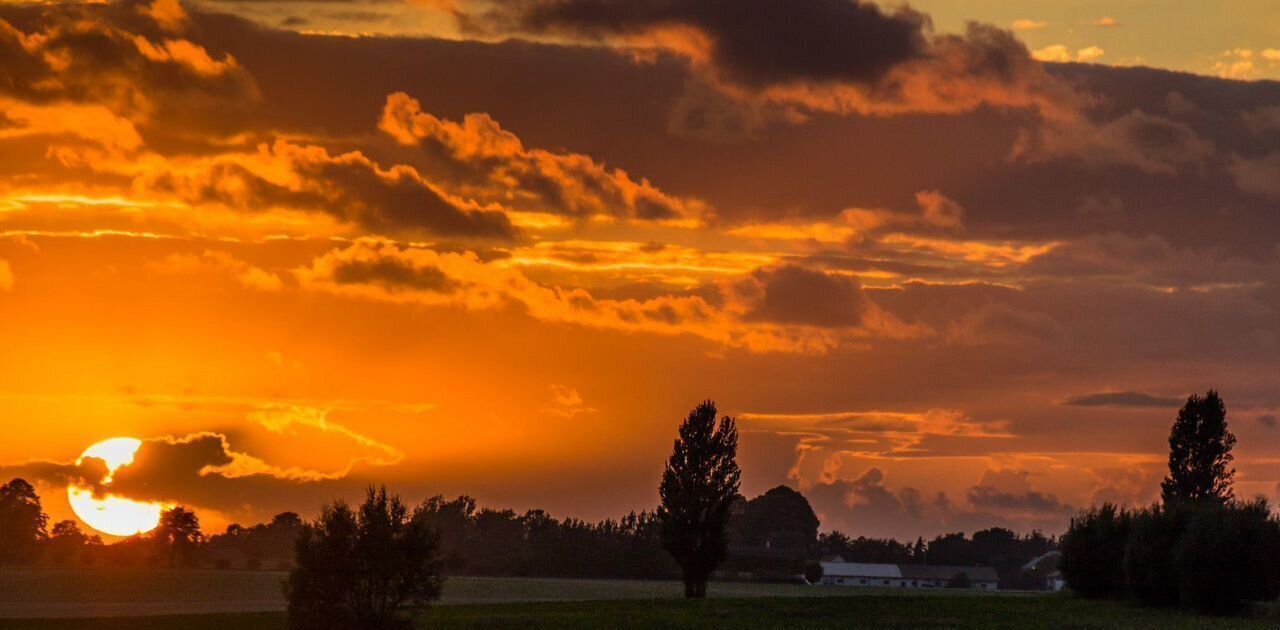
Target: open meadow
x=208 y=600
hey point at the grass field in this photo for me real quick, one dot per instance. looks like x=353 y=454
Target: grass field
x=114 y=600
x=881 y=611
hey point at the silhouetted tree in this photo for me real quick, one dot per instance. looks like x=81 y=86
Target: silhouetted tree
x=178 y=536
x=863 y=549
x=698 y=488
x=1226 y=559
x=356 y=569
x=951 y=549
x=23 y=523
x=1093 y=552
x=919 y=551
x=1150 y=553
x=780 y=520
x=813 y=572
x=68 y=543
x=1200 y=453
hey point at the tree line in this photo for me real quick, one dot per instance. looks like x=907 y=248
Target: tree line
x=356 y=567
x=1199 y=548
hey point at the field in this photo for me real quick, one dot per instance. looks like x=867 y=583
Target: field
x=207 y=599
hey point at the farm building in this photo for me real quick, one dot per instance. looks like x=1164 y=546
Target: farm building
x=908 y=576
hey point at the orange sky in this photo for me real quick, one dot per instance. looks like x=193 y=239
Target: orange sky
x=942 y=284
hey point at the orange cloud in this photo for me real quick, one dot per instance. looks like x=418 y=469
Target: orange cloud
x=490 y=165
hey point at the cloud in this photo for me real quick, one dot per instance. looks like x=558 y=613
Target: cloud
x=1106 y=22
x=199 y=470
x=1010 y=492
x=490 y=165
x=1260 y=176
x=463 y=280
x=840 y=56
x=1028 y=25
x=1267 y=420
x=6 y=276
x=1123 y=399
x=1058 y=53
x=349 y=186
x=1150 y=143
x=794 y=295
x=80 y=57
x=566 y=402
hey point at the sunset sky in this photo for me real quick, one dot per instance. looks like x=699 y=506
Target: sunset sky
x=951 y=264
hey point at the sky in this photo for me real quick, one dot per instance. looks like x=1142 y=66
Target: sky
x=950 y=265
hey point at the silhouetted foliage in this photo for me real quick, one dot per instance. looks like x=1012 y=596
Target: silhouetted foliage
x=1227 y=558
x=772 y=536
x=357 y=568
x=1093 y=552
x=178 y=536
x=1200 y=453
x=863 y=549
x=271 y=543
x=698 y=488
x=1149 y=568
x=951 y=549
x=813 y=572
x=23 y=523
x=780 y=519
x=67 y=544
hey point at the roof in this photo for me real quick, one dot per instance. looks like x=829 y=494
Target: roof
x=861 y=570
x=938 y=572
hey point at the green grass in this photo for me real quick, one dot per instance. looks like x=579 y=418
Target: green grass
x=881 y=611
x=209 y=600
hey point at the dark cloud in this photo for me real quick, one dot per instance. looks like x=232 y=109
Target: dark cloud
x=986 y=497
x=202 y=471
x=1123 y=399
x=795 y=295
x=753 y=42
x=394 y=274
x=816 y=55
x=1267 y=420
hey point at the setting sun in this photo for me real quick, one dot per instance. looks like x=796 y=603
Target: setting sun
x=110 y=514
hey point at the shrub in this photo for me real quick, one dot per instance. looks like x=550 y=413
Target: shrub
x=1093 y=552
x=1154 y=534
x=1226 y=558
x=357 y=568
x=813 y=572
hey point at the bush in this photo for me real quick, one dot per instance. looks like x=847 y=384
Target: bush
x=356 y=569
x=1227 y=558
x=1093 y=552
x=1154 y=534
x=813 y=572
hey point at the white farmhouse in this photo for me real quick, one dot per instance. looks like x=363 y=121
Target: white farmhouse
x=908 y=576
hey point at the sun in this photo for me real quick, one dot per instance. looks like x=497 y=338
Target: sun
x=108 y=513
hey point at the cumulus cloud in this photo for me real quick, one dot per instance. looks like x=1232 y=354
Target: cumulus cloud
x=490 y=165
x=200 y=470
x=349 y=186
x=79 y=56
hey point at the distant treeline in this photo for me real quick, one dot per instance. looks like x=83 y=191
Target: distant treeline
x=772 y=537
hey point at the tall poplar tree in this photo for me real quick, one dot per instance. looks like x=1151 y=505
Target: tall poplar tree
x=1200 y=453
x=698 y=488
